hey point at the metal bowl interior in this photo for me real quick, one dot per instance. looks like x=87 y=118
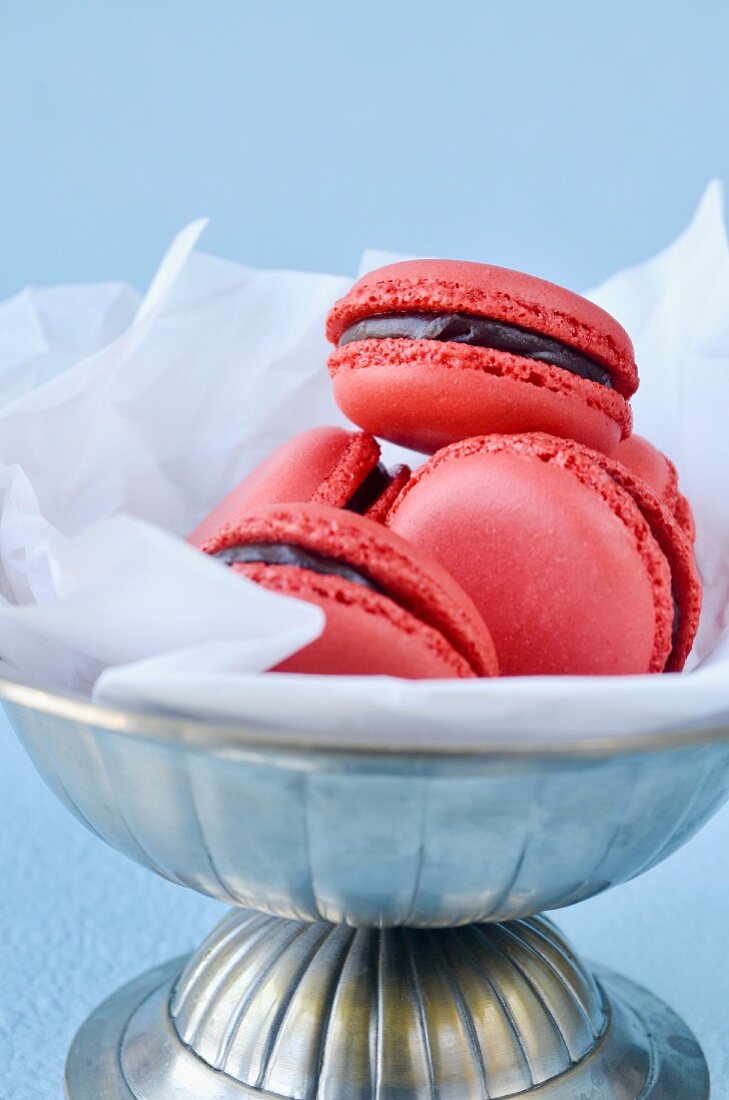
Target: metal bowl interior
x=369 y=836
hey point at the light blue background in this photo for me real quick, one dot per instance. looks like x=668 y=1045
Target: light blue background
x=568 y=138
x=565 y=137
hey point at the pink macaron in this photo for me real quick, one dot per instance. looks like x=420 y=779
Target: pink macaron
x=390 y=610
x=324 y=466
x=658 y=472
x=429 y=352
x=578 y=566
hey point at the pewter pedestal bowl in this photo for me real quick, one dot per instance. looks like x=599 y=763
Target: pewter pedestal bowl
x=384 y=942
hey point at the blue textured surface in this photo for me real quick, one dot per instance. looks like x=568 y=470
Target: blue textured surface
x=566 y=139
x=569 y=139
x=77 y=920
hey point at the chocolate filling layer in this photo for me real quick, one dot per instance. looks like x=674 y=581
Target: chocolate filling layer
x=286 y=553
x=676 y=616
x=479 y=332
x=371 y=489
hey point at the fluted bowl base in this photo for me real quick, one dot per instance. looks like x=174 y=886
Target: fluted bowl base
x=268 y=1008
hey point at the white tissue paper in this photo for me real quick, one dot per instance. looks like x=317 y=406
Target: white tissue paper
x=122 y=422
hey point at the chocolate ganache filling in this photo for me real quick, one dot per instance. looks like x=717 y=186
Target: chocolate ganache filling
x=479 y=332
x=371 y=489
x=287 y=553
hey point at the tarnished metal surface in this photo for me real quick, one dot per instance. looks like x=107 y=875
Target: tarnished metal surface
x=269 y=1008
x=362 y=983
x=325 y=1010
x=371 y=839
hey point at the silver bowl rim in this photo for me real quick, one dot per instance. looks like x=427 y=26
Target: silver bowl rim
x=237 y=736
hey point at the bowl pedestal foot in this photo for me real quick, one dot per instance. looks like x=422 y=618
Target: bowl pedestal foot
x=276 y=1008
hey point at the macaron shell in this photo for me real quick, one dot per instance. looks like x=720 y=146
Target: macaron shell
x=381 y=508
x=358 y=458
x=325 y=464
x=675 y=542
x=366 y=634
x=685 y=517
x=655 y=468
x=424 y=394
x=411 y=578
x=561 y=561
x=485 y=290
x=651 y=466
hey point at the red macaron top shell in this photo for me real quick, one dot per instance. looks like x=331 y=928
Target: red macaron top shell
x=585 y=554
x=484 y=290
x=406 y=575
x=651 y=466
x=325 y=465
x=675 y=539
x=655 y=468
